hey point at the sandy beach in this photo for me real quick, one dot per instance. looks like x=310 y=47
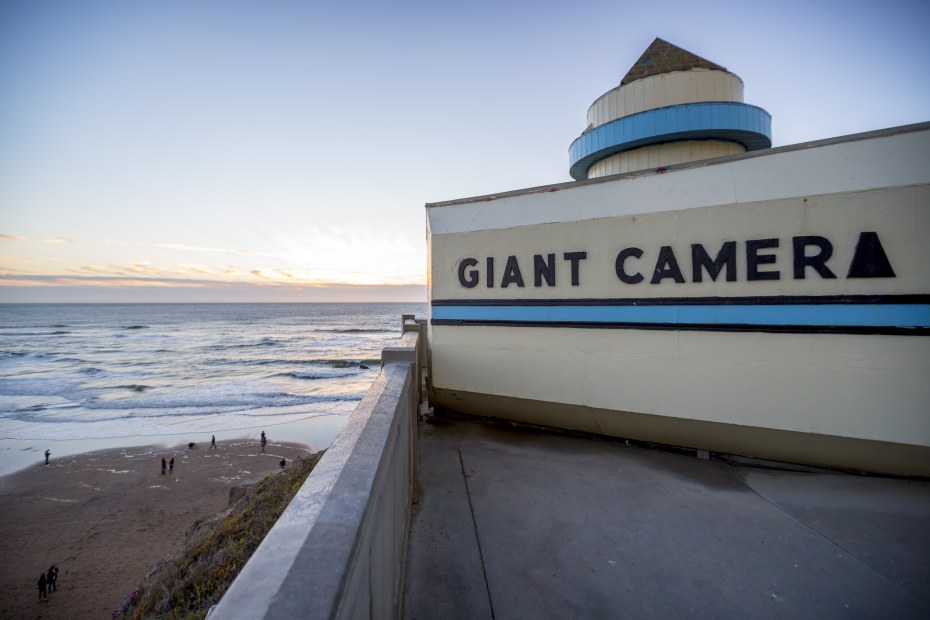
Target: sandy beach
x=105 y=518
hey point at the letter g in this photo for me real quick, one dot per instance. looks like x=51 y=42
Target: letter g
x=471 y=279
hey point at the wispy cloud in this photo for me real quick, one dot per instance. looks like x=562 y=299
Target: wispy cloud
x=11 y=237
x=135 y=268
x=118 y=243
x=96 y=268
x=197 y=269
x=96 y=281
x=192 y=248
x=116 y=281
x=57 y=240
x=121 y=290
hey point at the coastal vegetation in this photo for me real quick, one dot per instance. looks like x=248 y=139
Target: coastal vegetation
x=188 y=584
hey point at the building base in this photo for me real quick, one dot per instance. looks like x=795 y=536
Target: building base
x=829 y=451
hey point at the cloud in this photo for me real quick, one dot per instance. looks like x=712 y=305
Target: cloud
x=57 y=240
x=138 y=266
x=98 y=281
x=95 y=268
x=192 y=248
x=120 y=289
x=116 y=242
x=201 y=269
x=11 y=237
x=133 y=268
x=56 y=289
x=361 y=256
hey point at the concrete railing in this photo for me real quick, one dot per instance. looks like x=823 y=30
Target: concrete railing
x=338 y=550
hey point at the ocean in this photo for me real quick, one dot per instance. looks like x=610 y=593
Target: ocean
x=75 y=377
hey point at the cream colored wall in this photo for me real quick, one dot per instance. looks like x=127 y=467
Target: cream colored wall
x=899 y=215
x=659 y=91
x=866 y=387
x=657 y=155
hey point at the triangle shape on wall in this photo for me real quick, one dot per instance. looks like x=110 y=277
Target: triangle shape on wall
x=870 y=260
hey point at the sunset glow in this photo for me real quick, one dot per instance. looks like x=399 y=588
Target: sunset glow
x=208 y=151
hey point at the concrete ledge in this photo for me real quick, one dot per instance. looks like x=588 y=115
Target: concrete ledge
x=338 y=549
x=403 y=350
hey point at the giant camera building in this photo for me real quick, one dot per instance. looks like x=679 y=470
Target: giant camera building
x=696 y=287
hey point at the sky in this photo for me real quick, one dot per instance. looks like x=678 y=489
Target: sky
x=283 y=151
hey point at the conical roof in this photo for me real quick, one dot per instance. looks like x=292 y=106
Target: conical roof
x=663 y=57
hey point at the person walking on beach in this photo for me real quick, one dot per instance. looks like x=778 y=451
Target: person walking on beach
x=47 y=454
x=171 y=466
x=42 y=582
x=164 y=464
x=52 y=578
x=264 y=441
x=213 y=442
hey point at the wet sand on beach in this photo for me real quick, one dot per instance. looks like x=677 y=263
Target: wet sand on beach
x=105 y=518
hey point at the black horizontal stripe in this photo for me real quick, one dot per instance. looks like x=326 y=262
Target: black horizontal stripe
x=710 y=327
x=770 y=300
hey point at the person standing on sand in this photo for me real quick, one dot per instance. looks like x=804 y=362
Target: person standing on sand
x=171 y=466
x=42 y=582
x=264 y=441
x=52 y=578
x=164 y=464
x=47 y=454
x=213 y=442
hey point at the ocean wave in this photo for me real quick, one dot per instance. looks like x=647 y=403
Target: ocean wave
x=135 y=387
x=264 y=342
x=319 y=374
x=357 y=330
x=186 y=423
x=57 y=412
x=350 y=363
x=27 y=334
x=20 y=355
x=162 y=369
x=289 y=362
x=219 y=397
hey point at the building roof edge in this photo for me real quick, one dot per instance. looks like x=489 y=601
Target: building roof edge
x=541 y=189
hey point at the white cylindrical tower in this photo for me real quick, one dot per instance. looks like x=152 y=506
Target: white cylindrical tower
x=671 y=107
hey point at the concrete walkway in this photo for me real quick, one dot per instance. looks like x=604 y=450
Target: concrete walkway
x=518 y=524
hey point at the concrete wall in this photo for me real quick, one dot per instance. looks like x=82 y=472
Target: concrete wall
x=795 y=377
x=338 y=549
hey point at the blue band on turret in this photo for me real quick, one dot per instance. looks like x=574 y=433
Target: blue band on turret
x=728 y=121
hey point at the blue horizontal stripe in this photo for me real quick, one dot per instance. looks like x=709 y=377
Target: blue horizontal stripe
x=827 y=315
x=728 y=121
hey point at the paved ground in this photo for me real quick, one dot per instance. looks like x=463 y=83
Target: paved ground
x=518 y=524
